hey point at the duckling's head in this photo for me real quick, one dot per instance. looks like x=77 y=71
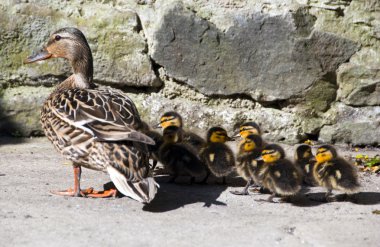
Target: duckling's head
x=217 y=134
x=249 y=128
x=325 y=153
x=69 y=43
x=272 y=153
x=303 y=152
x=170 y=118
x=250 y=143
x=172 y=134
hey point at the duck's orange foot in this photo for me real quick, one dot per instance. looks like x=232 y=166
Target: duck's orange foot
x=74 y=193
x=103 y=194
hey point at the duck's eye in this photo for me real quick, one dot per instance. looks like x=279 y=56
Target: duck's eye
x=57 y=37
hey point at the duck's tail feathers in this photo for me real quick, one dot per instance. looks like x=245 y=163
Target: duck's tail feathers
x=142 y=191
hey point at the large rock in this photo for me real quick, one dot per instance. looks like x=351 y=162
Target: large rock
x=119 y=48
x=268 y=57
x=20 y=110
x=357 y=126
x=359 y=85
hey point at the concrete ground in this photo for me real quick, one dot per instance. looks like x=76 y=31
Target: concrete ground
x=180 y=215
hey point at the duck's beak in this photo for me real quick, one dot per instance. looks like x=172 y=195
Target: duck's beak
x=157 y=126
x=38 y=56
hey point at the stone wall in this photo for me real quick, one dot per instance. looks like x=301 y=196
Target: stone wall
x=302 y=69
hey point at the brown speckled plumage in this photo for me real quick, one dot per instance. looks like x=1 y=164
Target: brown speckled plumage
x=95 y=128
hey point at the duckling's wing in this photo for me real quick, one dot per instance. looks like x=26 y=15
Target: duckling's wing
x=107 y=114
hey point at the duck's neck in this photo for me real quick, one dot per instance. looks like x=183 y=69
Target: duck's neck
x=83 y=69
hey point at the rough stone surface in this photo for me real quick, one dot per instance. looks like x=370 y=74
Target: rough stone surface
x=358 y=85
x=118 y=45
x=287 y=64
x=20 y=110
x=267 y=57
x=357 y=126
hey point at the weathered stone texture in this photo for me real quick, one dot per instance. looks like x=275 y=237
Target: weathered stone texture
x=263 y=56
x=301 y=68
x=118 y=46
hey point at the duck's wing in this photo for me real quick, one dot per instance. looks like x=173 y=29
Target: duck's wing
x=107 y=114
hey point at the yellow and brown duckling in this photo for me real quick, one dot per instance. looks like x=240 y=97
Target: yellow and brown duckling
x=334 y=173
x=94 y=128
x=218 y=157
x=173 y=118
x=304 y=159
x=247 y=166
x=153 y=149
x=248 y=128
x=279 y=175
x=178 y=156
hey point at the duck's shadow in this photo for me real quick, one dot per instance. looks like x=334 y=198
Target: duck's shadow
x=171 y=196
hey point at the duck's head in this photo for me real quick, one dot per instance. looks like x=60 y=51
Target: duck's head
x=248 y=128
x=250 y=143
x=69 y=43
x=170 y=118
x=272 y=152
x=325 y=153
x=172 y=134
x=303 y=152
x=218 y=134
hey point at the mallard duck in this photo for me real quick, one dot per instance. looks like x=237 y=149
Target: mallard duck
x=95 y=128
x=218 y=157
x=247 y=166
x=334 y=173
x=173 y=118
x=179 y=157
x=279 y=175
x=304 y=159
x=153 y=149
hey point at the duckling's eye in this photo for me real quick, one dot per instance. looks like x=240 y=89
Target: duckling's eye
x=57 y=37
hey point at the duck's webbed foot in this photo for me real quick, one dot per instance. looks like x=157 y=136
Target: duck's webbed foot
x=103 y=194
x=76 y=192
x=73 y=192
x=244 y=192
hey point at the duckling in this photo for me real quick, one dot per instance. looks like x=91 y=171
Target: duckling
x=247 y=166
x=333 y=172
x=304 y=159
x=173 y=118
x=249 y=128
x=94 y=128
x=153 y=149
x=218 y=157
x=279 y=175
x=179 y=157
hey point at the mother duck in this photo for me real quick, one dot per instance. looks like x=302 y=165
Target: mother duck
x=94 y=128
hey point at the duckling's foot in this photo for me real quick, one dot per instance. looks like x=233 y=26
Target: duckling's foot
x=72 y=192
x=240 y=193
x=103 y=194
x=331 y=198
x=269 y=199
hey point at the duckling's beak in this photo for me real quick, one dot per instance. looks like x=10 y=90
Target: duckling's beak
x=259 y=158
x=313 y=159
x=236 y=134
x=39 y=56
x=157 y=126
